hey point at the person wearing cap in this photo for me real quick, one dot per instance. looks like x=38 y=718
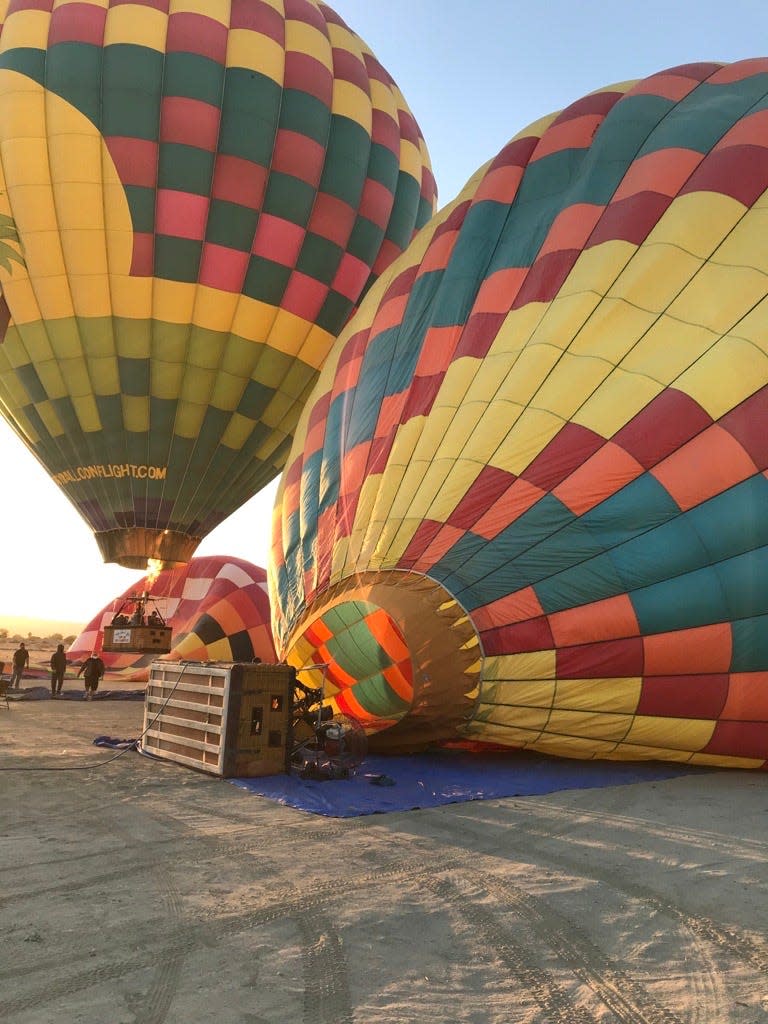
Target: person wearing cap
x=20 y=662
x=58 y=668
x=91 y=670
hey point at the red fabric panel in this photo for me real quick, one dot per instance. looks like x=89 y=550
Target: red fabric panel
x=683 y=696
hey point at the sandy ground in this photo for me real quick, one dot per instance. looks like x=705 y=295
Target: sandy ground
x=141 y=892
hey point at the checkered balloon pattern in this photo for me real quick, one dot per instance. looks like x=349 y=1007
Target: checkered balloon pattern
x=193 y=199
x=217 y=608
x=527 y=503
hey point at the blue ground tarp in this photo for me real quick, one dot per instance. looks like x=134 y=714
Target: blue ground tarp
x=384 y=784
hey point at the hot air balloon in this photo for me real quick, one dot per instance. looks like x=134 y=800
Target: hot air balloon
x=527 y=501
x=192 y=200
x=217 y=606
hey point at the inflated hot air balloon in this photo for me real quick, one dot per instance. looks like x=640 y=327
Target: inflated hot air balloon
x=527 y=503
x=217 y=607
x=193 y=197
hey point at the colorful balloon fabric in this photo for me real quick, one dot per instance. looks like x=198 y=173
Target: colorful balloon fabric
x=193 y=197
x=526 y=504
x=217 y=607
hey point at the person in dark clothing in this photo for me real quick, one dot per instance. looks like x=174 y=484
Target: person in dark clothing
x=58 y=668
x=91 y=670
x=20 y=662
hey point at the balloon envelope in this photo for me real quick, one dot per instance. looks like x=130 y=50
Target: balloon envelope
x=217 y=607
x=192 y=200
x=527 y=501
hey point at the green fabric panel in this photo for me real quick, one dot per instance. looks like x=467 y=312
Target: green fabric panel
x=319 y=258
x=305 y=115
x=73 y=70
x=255 y=398
x=193 y=76
x=132 y=79
x=384 y=166
x=162 y=416
x=334 y=312
x=134 y=375
x=141 y=202
x=346 y=161
x=365 y=240
x=403 y=217
x=27 y=61
x=31 y=383
x=696 y=599
x=750 y=645
x=265 y=280
x=185 y=168
x=110 y=412
x=289 y=198
x=177 y=259
x=231 y=225
x=378 y=698
x=250 y=112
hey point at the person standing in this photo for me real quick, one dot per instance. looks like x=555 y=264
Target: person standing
x=58 y=668
x=91 y=670
x=20 y=662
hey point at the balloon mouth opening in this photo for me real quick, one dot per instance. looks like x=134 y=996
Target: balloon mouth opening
x=397 y=653
x=134 y=547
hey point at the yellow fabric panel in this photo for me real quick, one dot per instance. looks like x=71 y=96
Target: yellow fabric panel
x=668 y=348
x=574 y=746
x=103 y=4
x=724 y=376
x=317 y=344
x=239 y=357
x=608 y=695
x=87 y=413
x=277 y=410
x=530 y=665
x=54 y=298
x=256 y=52
x=674 y=733
x=719 y=296
x=66 y=341
x=131 y=299
x=339 y=559
x=534 y=693
x=459 y=478
x=288 y=332
x=135 y=413
x=51 y=421
x=563 y=318
x=196 y=385
x=590 y=724
x=456 y=428
x=752 y=326
x=136 y=25
x=696 y=222
x=382 y=98
x=516 y=715
x=363 y=515
x=77 y=378
x=237 y=432
x=26 y=29
x=654 y=276
x=173 y=301
x=410 y=159
x=75 y=160
x=253 y=320
x=397 y=534
x=219 y=650
x=531 y=368
x=85 y=256
x=571 y=383
x=34 y=347
x=725 y=762
x=22 y=111
x=25 y=164
x=43 y=255
x=269 y=446
x=22 y=299
x=200 y=353
x=455 y=385
x=612 y=330
x=492 y=432
x=51 y=379
x=638 y=752
x=747 y=243
x=350 y=101
x=105 y=375
x=620 y=398
x=517 y=328
x=189 y=419
x=214 y=309
x=219 y=10
x=301 y=37
x=507 y=735
x=527 y=438
x=227 y=392
x=597 y=268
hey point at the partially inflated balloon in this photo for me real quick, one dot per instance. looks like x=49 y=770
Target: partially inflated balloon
x=528 y=502
x=217 y=607
x=193 y=197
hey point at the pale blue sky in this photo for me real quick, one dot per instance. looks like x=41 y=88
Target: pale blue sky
x=473 y=74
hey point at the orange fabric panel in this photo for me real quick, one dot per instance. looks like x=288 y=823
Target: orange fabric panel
x=439 y=252
x=745 y=131
x=747 y=697
x=738 y=72
x=603 y=474
x=441 y=545
x=671 y=87
x=518 y=607
x=709 y=464
x=386 y=635
x=706 y=649
x=571 y=228
x=400 y=683
x=576 y=133
x=516 y=500
x=438 y=346
x=500 y=185
x=390 y=411
x=390 y=314
x=498 y=292
x=664 y=171
x=611 y=619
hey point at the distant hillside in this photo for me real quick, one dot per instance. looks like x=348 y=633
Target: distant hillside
x=23 y=625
